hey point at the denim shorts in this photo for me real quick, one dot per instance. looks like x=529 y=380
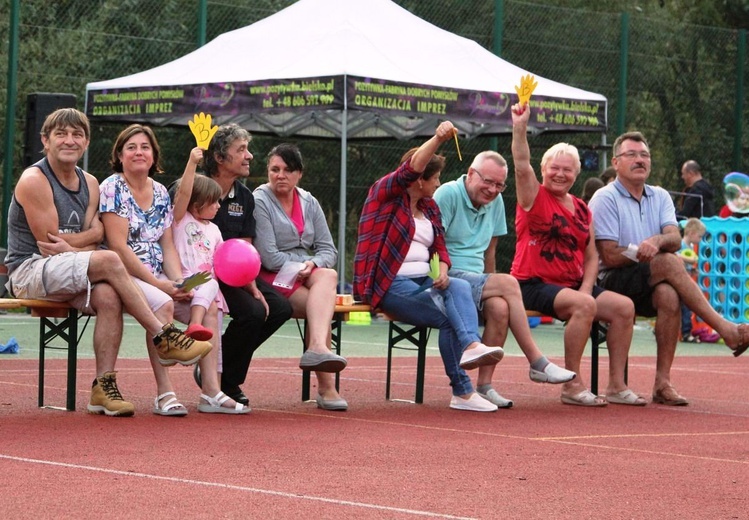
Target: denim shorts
x=477 y=281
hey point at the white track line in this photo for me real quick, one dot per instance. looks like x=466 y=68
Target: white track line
x=234 y=487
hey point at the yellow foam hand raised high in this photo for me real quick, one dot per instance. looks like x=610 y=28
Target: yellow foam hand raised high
x=201 y=128
x=526 y=88
x=434 y=267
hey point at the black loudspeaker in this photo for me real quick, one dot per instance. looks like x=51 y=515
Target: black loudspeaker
x=38 y=106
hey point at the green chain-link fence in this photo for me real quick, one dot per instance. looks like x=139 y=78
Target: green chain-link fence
x=681 y=82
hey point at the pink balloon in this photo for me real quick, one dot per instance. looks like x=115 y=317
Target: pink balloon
x=236 y=262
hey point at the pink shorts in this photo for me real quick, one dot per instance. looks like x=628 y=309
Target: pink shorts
x=269 y=276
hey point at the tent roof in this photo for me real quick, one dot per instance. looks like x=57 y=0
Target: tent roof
x=355 y=43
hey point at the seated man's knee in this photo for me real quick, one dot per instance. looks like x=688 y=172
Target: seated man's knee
x=509 y=285
x=108 y=260
x=667 y=262
x=105 y=298
x=496 y=310
x=666 y=299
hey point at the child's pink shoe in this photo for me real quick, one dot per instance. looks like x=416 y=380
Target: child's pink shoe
x=198 y=332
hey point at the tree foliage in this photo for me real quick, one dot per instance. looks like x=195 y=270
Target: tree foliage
x=681 y=88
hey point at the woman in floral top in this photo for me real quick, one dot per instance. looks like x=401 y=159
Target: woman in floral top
x=137 y=216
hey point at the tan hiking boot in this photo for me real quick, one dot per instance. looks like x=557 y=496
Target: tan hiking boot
x=106 y=397
x=173 y=347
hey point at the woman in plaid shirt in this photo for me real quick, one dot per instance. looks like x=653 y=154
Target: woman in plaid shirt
x=400 y=230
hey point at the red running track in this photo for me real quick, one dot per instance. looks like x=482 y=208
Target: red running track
x=388 y=460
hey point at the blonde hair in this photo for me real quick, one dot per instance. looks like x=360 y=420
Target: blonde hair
x=205 y=191
x=694 y=225
x=561 y=149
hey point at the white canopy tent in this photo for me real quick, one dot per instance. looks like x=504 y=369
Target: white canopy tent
x=342 y=69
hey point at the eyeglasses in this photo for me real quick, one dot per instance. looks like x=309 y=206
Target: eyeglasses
x=632 y=154
x=500 y=186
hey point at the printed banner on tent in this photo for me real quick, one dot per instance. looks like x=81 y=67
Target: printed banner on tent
x=490 y=107
x=227 y=99
x=169 y=104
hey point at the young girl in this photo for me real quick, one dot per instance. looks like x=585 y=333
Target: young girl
x=196 y=239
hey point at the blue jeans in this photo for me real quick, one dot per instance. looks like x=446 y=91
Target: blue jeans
x=452 y=311
x=686 y=321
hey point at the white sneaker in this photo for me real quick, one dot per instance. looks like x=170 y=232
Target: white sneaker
x=475 y=403
x=552 y=374
x=493 y=396
x=480 y=356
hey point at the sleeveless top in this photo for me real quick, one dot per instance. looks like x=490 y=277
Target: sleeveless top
x=71 y=213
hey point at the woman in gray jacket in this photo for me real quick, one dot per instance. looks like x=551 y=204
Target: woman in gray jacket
x=298 y=256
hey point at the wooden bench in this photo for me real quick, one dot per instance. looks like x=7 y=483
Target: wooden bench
x=50 y=329
x=404 y=336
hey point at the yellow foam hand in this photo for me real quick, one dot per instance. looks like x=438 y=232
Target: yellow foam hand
x=201 y=128
x=434 y=267
x=189 y=283
x=528 y=84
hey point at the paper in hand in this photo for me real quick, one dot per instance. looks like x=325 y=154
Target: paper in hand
x=434 y=267
x=631 y=252
x=191 y=282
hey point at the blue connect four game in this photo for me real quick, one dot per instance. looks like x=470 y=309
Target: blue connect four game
x=723 y=266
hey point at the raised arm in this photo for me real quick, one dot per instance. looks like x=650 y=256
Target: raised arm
x=525 y=178
x=445 y=131
x=395 y=183
x=184 y=192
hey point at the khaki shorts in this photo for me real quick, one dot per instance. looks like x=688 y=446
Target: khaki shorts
x=59 y=278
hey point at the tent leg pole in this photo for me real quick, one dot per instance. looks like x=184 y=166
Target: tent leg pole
x=342 y=203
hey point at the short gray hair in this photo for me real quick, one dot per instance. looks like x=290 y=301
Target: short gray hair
x=219 y=147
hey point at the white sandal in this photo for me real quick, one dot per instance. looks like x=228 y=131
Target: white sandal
x=215 y=405
x=172 y=407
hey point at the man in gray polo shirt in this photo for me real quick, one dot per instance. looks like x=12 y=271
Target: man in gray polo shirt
x=636 y=236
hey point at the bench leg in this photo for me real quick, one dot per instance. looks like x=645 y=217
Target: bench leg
x=595 y=345
x=67 y=330
x=421 y=363
x=416 y=336
x=72 y=358
x=305 y=373
x=42 y=348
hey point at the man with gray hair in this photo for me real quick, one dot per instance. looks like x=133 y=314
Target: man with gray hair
x=257 y=310
x=473 y=215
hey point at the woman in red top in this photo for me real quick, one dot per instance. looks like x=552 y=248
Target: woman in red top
x=400 y=229
x=556 y=263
